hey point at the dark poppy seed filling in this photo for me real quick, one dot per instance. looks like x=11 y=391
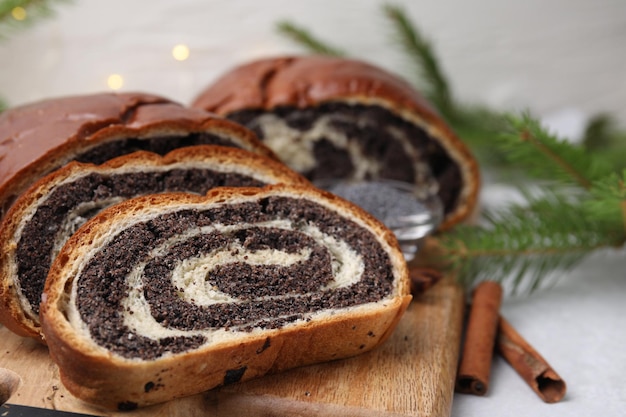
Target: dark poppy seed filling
x=337 y=140
x=147 y=260
x=63 y=212
x=159 y=144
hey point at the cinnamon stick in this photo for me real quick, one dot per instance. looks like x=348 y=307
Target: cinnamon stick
x=529 y=364
x=475 y=366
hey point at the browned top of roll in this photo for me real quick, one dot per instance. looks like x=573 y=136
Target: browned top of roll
x=35 y=137
x=303 y=81
x=29 y=131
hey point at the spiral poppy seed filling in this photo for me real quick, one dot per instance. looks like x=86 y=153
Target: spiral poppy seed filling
x=73 y=203
x=143 y=274
x=338 y=140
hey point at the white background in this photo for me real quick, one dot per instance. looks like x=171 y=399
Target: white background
x=563 y=59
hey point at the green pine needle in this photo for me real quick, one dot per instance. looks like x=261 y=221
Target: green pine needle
x=603 y=137
x=579 y=206
x=608 y=204
x=420 y=54
x=524 y=243
x=543 y=155
x=305 y=39
x=601 y=132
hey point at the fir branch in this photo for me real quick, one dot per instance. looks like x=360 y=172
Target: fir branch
x=304 y=38
x=600 y=132
x=579 y=207
x=603 y=137
x=608 y=202
x=420 y=53
x=523 y=243
x=543 y=155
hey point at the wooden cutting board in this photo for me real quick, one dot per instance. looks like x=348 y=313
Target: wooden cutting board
x=411 y=374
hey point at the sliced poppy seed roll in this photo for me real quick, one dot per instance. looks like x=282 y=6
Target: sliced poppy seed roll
x=170 y=295
x=336 y=118
x=48 y=213
x=38 y=138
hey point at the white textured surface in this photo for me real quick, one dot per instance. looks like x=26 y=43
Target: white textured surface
x=564 y=59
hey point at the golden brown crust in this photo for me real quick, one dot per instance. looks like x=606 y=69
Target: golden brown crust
x=39 y=137
x=220 y=158
x=118 y=383
x=304 y=81
x=97 y=376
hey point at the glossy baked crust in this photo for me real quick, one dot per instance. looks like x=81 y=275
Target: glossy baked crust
x=97 y=375
x=39 y=137
x=17 y=312
x=306 y=81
